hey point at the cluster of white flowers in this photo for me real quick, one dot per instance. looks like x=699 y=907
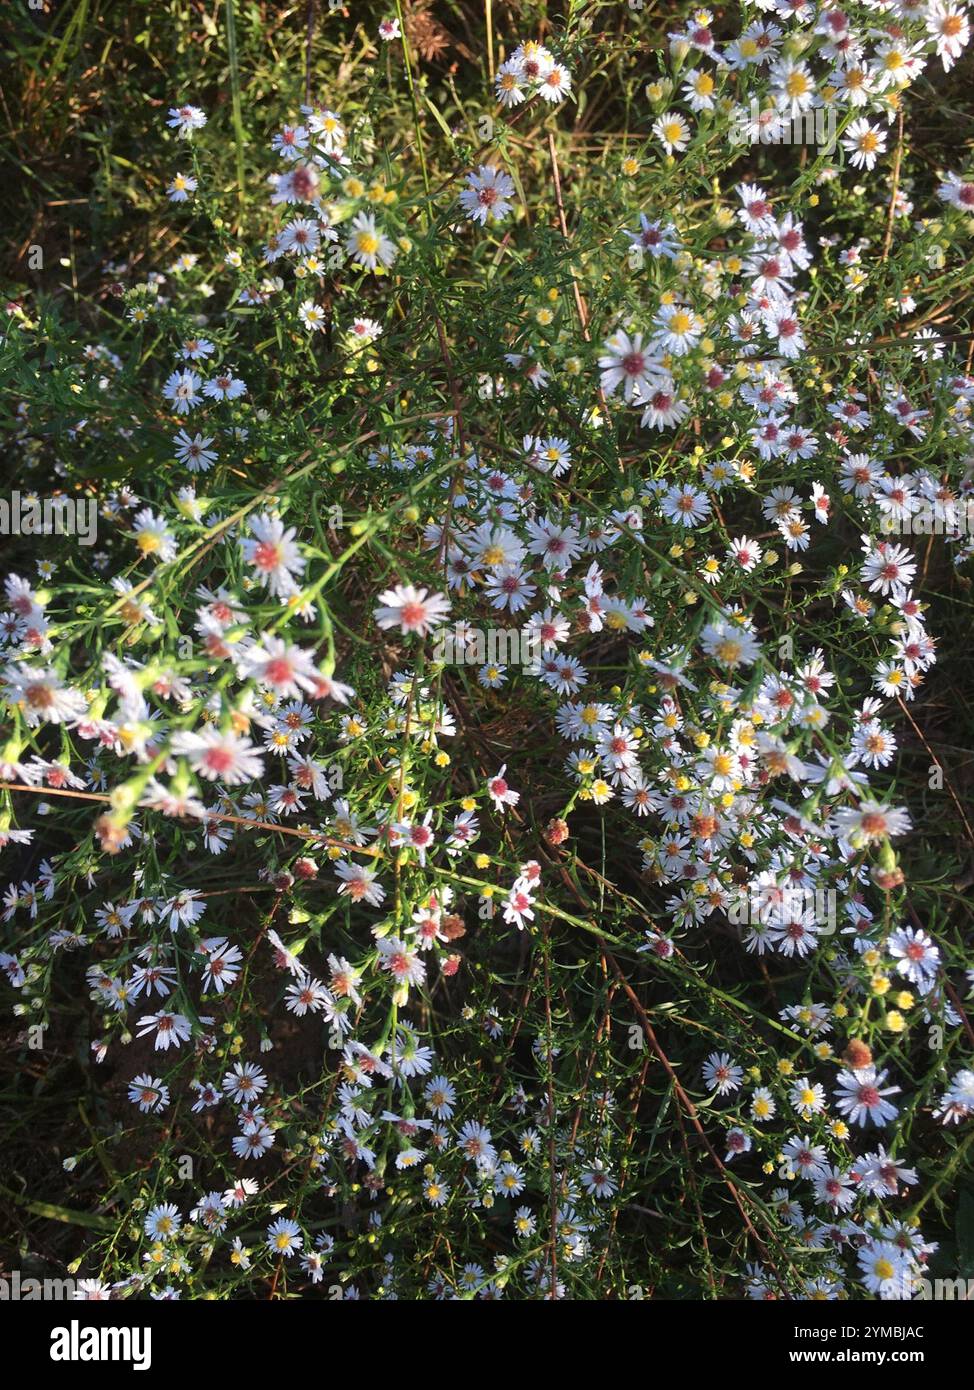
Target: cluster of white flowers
x=673 y=618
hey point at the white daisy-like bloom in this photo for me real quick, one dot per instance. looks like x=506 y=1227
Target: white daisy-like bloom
x=896 y=64
x=364 y=331
x=807 y=1098
x=854 y=84
x=738 y=1142
x=274 y=554
x=782 y=322
x=223 y=964
x=534 y=59
x=730 y=644
x=916 y=955
x=152 y=535
x=553 y=455
x=664 y=408
x=510 y=83
x=755 y=213
x=509 y=587
x=861 y=1096
x=949 y=25
x=958 y=193
x=475 y=1142
x=793 y=87
x=806 y=1158
x=290 y=141
x=171 y=1029
x=185 y=119
x=219 y=757
x=488 y=195
x=627 y=363
x=307 y=995
x=225 y=387
x=655 y=239
x=888 y=568
x=672 y=131
x=411 y=610
x=149 y=1093
x=284 y=1237
x=327 y=128
x=313 y=316
x=244 y=1082
x=679 y=330
x=864 y=143
x=870 y=822
x=556 y=84
x=181 y=187
x=957 y=1102
x=359 y=884
x=401 y=961
x=721 y=1074
x=162 y=1222
x=699 y=90
x=367 y=245
x=182 y=388
x=279 y=666
x=300 y=237
x=41 y=695
x=745 y=553
x=886 y=1270
x=547 y=629
x=195 y=451
x=685 y=505
x=501 y=793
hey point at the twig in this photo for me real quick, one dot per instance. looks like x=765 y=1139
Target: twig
x=550 y=1104
x=937 y=763
x=315 y=835
x=312 y=8
x=896 y=186
x=690 y=1111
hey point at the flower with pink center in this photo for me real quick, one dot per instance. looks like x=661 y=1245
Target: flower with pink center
x=862 y=1097
x=418 y=836
x=170 y=1029
x=518 y=908
x=401 y=962
x=488 y=195
x=358 y=883
x=411 y=610
x=746 y=553
x=219 y=757
x=279 y=666
x=626 y=363
x=273 y=554
x=500 y=793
